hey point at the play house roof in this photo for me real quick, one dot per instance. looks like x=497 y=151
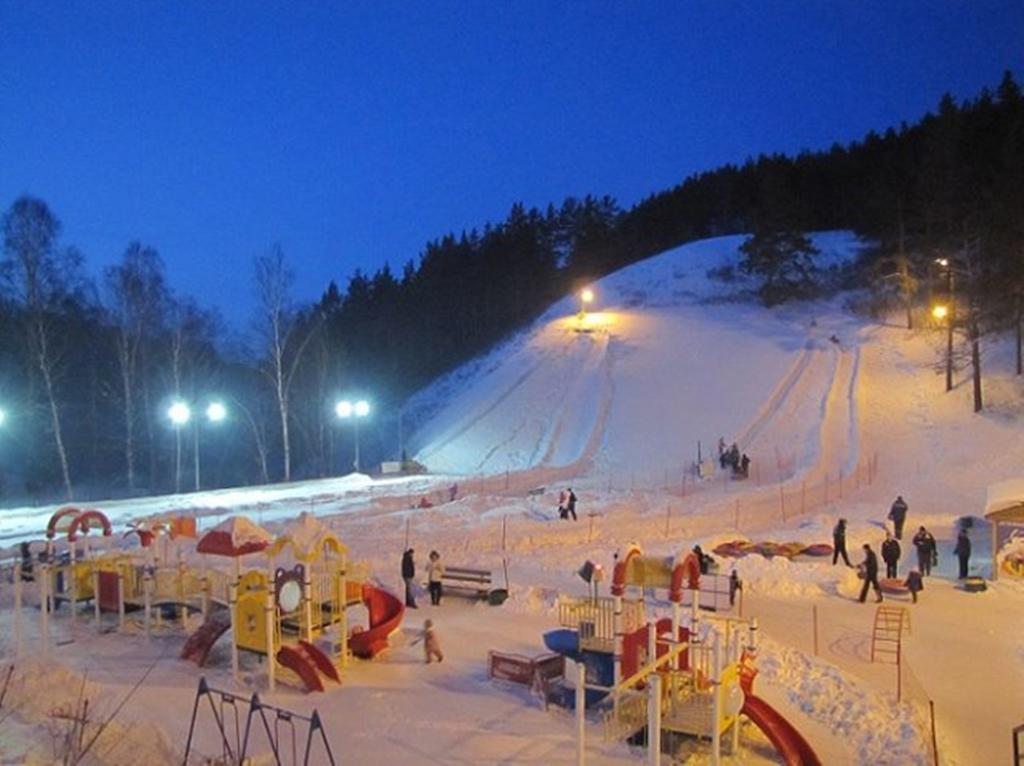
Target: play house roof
x=235 y=536
x=1005 y=501
x=308 y=538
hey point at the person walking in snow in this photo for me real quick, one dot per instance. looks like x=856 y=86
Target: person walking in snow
x=435 y=571
x=408 y=575
x=571 y=504
x=890 y=555
x=963 y=552
x=839 y=543
x=431 y=646
x=869 y=567
x=898 y=515
x=563 y=504
x=914 y=583
x=744 y=469
x=927 y=552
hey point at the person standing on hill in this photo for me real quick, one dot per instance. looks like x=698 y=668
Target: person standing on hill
x=563 y=504
x=898 y=515
x=571 y=505
x=839 y=543
x=927 y=553
x=870 y=569
x=408 y=575
x=963 y=552
x=435 y=571
x=890 y=555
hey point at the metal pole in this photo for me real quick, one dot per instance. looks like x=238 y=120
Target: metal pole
x=654 y=720
x=716 y=716
x=120 y=598
x=949 y=328
x=96 y=594
x=617 y=650
x=356 y=421
x=44 y=608
x=581 y=709
x=268 y=610
x=17 y=609
x=232 y=609
x=195 y=449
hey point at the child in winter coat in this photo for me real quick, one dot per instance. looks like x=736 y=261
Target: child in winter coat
x=914 y=583
x=431 y=646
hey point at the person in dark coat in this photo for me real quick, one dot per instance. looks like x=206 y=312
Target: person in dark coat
x=571 y=505
x=963 y=552
x=870 y=569
x=744 y=470
x=409 y=574
x=839 y=543
x=890 y=555
x=914 y=583
x=927 y=552
x=898 y=515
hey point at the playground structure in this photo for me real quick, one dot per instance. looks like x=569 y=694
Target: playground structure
x=663 y=676
x=293 y=610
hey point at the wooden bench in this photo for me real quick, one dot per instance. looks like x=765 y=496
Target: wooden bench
x=477 y=582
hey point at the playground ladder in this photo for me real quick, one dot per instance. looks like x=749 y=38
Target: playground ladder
x=887 y=633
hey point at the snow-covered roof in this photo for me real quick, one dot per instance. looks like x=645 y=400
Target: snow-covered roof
x=1005 y=501
x=307 y=537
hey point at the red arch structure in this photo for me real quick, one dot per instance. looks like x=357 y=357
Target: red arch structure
x=79 y=522
x=689 y=568
x=688 y=571
x=51 y=526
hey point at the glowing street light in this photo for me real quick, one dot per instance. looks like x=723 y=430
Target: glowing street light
x=216 y=412
x=3 y=417
x=356 y=410
x=940 y=312
x=179 y=413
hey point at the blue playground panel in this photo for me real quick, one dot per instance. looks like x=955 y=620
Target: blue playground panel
x=600 y=665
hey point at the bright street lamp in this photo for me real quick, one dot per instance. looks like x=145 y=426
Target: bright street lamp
x=216 y=412
x=179 y=413
x=940 y=311
x=345 y=410
x=3 y=417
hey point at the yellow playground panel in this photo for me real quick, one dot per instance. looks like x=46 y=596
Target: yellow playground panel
x=250 y=619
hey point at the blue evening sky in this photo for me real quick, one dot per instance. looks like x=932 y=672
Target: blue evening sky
x=353 y=132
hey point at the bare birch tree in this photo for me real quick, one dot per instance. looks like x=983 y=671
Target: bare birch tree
x=138 y=298
x=41 y=276
x=283 y=339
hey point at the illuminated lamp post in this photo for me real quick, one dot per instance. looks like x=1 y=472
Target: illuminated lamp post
x=179 y=414
x=357 y=411
x=216 y=413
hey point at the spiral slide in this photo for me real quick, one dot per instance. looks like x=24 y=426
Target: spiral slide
x=386 y=613
x=790 y=743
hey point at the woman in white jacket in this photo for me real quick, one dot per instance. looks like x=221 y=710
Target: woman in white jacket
x=435 y=571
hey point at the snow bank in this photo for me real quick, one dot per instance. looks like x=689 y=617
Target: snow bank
x=878 y=729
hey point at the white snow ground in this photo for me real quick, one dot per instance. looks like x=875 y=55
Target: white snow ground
x=665 y=360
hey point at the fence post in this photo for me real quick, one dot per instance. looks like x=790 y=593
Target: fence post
x=815 y=611
x=935 y=740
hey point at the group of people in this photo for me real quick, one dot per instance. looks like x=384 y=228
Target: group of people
x=923 y=542
x=731 y=458
x=567 y=504
x=435 y=571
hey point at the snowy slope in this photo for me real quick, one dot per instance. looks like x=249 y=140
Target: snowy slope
x=651 y=370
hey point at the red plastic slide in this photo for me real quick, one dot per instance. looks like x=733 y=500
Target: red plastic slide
x=790 y=743
x=308 y=662
x=197 y=647
x=386 y=612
